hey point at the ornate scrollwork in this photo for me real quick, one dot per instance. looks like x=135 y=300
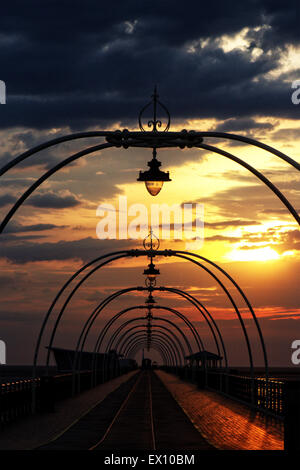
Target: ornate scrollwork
x=155 y=123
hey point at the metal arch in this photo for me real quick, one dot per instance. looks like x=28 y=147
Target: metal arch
x=46 y=318
x=105 y=329
x=50 y=143
x=258 y=174
x=137 y=307
x=140 y=253
x=109 y=346
x=91 y=319
x=233 y=304
x=71 y=295
x=122 y=340
x=115 y=334
x=135 y=350
x=95 y=314
x=191 y=135
x=130 y=253
x=142 y=342
x=253 y=142
x=161 y=352
x=171 y=253
x=126 y=253
x=172 y=356
x=47 y=175
x=161 y=335
x=194 y=301
x=93 y=149
x=261 y=338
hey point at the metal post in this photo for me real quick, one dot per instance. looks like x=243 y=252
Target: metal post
x=292 y=415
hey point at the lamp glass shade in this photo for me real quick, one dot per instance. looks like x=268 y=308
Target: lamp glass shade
x=151 y=276
x=154 y=187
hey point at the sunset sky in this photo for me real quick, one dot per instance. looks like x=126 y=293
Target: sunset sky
x=224 y=66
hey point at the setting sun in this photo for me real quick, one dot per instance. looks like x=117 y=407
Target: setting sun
x=257 y=254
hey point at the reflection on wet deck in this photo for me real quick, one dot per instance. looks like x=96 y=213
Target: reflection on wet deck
x=224 y=423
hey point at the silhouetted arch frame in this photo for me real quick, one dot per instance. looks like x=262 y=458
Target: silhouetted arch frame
x=110 y=342
x=153 y=327
x=127 y=139
x=112 y=257
x=139 y=345
x=112 y=320
x=93 y=316
x=137 y=253
x=121 y=342
x=163 y=336
x=143 y=338
x=143 y=343
x=176 y=312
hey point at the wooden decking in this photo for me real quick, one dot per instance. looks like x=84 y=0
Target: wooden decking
x=224 y=423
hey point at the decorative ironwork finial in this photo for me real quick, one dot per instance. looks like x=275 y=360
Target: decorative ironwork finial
x=155 y=123
x=151 y=242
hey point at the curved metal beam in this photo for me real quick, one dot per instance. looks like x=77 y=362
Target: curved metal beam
x=120 y=341
x=180 y=315
x=70 y=297
x=169 y=349
x=224 y=288
x=172 y=357
x=258 y=174
x=48 y=144
x=110 y=344
x=105 y=329
x=226 y=274
x=143 y=344
x=81 y=135
x=199 y=306
x=255 y=143
x=138 y=253
x=162 y=336
x=60 y=292
x=47 y=175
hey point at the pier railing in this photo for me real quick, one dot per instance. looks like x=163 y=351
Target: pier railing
x=16 y=397
x=264 y=395
x=279 y=399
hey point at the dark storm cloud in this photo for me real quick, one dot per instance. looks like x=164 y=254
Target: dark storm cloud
x=50 y=200
x=234 y=202
x=46 y=200
x=6 y=199
x=94 y=65
x=85 y=249
x=244 y=124
x=15 y=227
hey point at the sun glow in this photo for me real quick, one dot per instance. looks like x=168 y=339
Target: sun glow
x=257 y=254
